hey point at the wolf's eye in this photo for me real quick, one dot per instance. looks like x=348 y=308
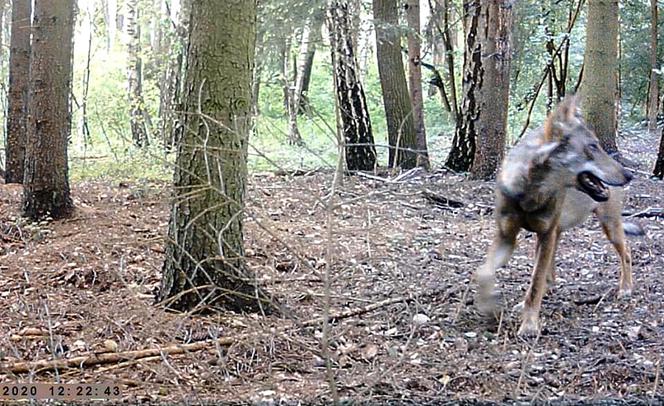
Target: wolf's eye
x=594 y=147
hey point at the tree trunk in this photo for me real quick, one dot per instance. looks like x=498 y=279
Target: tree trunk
x=415 y=81
x=359 y=143
x=46 y=186
x=315 y=38
x=653 y=89
x=396 y=99
x=205 y=266
x=494 y=87
x=448 y=42
x=139 y=132
x=659 y=164
x=170 y=102
x=481 y=127
x=461 y=155
x=599 y=77
x=19 y=68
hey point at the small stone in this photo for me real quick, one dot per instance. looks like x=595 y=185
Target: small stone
x=420 y=319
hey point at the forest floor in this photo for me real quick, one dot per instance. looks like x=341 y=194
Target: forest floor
x=400 y=267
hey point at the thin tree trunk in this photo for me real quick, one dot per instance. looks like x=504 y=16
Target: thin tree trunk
x=448 y=45
x=360 y=151
x=84 y=129
x=599 y=76
x=659 y=164
x=315 y=38
x=46 y=186
x=415 y=81
x=19 y=68
x=653 y=90
x=396 y=99
x=139 y=128
x=205 y=266
x=171 y=103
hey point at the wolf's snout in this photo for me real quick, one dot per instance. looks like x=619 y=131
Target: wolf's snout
x=628 y=175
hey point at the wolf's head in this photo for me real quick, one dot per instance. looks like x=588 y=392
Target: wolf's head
x=568 y=145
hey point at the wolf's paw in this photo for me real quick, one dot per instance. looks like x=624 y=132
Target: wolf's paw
x=487 y=304
x=529 y=328
x=529 y=324
x=624 y=293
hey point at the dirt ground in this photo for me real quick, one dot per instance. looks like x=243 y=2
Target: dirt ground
x=400 y=268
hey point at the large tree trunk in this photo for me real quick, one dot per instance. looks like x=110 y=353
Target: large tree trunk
x=653 y=89
x=415 y=81
x=396 y=99
x=360 y=150
x=138 y=115
x=19 y=68
x=46 y=186
x=205 y=266
x=599 y=76
x=481 y=127
x=494 y=79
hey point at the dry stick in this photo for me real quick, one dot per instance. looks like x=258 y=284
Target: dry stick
x=105 y=358
x=654 y=388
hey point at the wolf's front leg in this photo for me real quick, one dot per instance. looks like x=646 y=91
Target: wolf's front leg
x=546 y=246
x=499 y=253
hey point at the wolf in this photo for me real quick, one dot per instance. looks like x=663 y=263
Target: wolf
x=551 y=181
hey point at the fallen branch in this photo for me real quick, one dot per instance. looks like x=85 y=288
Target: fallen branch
x=111 y=357
x=657 y=212
x=441 y=200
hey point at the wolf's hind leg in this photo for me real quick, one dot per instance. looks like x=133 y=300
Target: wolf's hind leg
x=613 y=229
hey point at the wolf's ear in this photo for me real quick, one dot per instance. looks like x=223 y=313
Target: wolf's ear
x=562 y=117
x=543 y=152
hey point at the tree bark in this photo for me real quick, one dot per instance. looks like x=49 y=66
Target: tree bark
x=659 y=164
x=462 y=152
x=653 y=89
x=315 y=38
x=396 y=99
x=598 y=87
x=415 y=81
x=170 y=100
x=479 y=138
x=494 y=87
x=19 y=68
x=46 y=185
x=205 y=266
x=356 y=126
x=139 y=131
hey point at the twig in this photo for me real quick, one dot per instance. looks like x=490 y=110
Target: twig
x=649 y=212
